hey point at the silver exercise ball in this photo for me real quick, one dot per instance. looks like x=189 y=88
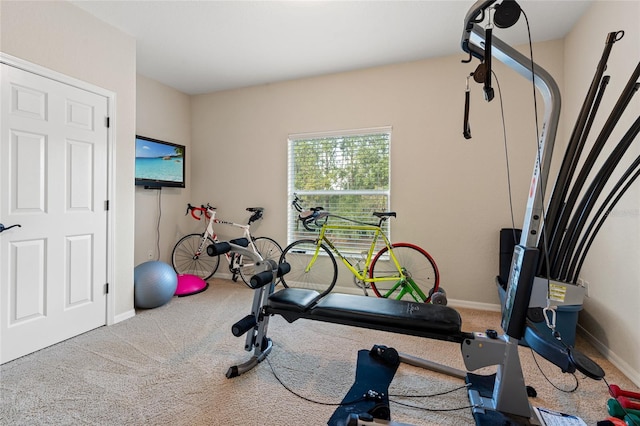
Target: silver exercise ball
x=154 y=284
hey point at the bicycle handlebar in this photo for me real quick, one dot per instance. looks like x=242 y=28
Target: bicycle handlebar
x=257 y=212
x=296 y=202
x=202 y=209
x=312 y=215
x=308 y=216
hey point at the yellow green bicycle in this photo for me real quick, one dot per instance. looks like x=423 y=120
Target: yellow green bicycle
x=398 y=270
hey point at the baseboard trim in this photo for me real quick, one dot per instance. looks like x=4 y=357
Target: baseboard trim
x=352 y=290
x=454 y=303
x=492 y=307
x=611 y=356
x=124 y=316
x=225 y=276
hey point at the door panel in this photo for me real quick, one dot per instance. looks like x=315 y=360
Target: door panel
x=27 y=165
x=79 y=156
x=27 y=264
x=53 y=182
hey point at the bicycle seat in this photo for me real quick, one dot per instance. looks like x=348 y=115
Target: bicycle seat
x=257 y=214
x=384 y=214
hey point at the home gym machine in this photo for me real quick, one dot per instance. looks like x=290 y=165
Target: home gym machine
x=560 y=234
x=499 y=398
x=480 y=43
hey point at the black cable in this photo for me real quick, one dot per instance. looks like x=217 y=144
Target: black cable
x=549 y=380
x=432 y=410
x=541 y=185
x=506 y=154
x=309 y=399
x=431 y=395
x=363 y=398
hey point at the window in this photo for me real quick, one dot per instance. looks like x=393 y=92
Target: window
x=346 y=173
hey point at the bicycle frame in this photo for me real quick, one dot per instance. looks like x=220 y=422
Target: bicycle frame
x=232 y=259
x=194 y=253
x=402 y=280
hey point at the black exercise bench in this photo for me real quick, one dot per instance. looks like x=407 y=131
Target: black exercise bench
x=396 y=316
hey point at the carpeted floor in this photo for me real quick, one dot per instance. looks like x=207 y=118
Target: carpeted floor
x=166 y=366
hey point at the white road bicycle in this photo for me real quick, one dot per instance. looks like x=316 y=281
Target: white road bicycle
x=191 y=254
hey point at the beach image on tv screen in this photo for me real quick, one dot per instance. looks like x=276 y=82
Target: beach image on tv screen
x=158 y=161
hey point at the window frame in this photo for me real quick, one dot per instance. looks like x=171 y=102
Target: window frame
x=293 y=227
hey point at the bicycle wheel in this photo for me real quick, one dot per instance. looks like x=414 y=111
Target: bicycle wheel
x=308 y=270
x=268 y=249
x=421 y=276
x=187 y=258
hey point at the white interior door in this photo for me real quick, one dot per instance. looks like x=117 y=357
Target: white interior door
x=53 y=183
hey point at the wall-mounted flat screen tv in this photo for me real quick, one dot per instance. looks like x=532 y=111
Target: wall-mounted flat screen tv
x=159 y=163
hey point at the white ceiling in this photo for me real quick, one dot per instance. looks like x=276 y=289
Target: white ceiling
x=205 y=46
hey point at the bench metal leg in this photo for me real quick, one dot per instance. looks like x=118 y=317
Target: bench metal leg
x=433 y=366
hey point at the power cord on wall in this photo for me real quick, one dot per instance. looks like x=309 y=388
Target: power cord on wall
x=158 y=223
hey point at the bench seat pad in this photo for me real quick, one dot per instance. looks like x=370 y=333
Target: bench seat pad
x=398 y=316
x=293 y=299
x=389 y=312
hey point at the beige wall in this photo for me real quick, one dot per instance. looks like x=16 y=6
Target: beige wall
x=450 y=194
x=611 y=313
x=63 y=38
x=162 y=113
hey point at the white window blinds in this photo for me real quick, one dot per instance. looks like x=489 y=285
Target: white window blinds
x=346 y=173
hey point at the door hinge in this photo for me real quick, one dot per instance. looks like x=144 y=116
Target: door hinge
x=106 y=288
x=106 y=205
x=108 y=122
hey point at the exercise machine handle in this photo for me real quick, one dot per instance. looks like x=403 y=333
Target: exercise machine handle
x=488 y=90
x=466 y=128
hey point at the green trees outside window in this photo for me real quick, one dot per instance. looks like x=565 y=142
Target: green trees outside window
x=347 y=173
